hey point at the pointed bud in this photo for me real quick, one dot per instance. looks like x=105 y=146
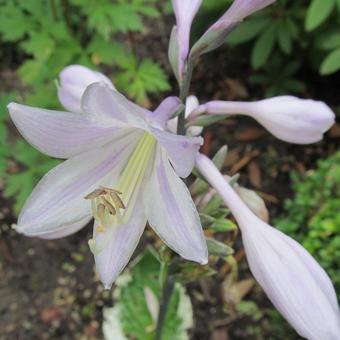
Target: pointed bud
x=294 y=282
x=294 y=120
x=217 y=33
x=73 y=81
x=185 y=11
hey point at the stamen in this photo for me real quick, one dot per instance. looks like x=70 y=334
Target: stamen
x=95 y=193
x=109 y=206
x=116 y=199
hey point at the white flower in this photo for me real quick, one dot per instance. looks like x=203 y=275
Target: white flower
x=294 y=282
x=122 y=168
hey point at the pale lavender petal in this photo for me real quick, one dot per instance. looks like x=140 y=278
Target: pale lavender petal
x=60 y=134
x=58 y=199
x=110 y=104
x=73 y=81
x=171 y=212
x=117 y=244
x=181 y=150
x=241 y=9
x=282 y=273
x=164 y=111
x=185 y=11
x=291 y=278
x=319 y=275
x=67 y=229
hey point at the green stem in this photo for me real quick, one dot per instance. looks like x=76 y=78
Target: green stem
x=183 y=94
x=167 y=291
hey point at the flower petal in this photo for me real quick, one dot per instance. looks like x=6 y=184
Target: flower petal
x=74 y=80
x=319 y=275
x=118 y=244
x=60 y=134
x=171 y=212
x=110 y=104
x=181 y=150
x=58 y=199
x=66 y=229
x=164 y=111
x=289 y=283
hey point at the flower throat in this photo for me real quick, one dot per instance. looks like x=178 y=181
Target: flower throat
x=111 y=207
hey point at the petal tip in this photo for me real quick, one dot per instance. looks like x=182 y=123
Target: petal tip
x=107 y=286
x=11 y=107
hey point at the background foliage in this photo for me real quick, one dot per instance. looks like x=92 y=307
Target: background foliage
x=312 y=215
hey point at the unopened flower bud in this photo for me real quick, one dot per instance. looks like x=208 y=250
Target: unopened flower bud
x=73 y=81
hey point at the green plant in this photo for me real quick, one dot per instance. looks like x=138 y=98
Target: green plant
x=316 y=200
x=291 y=28
x=278 y=77
x=53 y=34
x=138 y=293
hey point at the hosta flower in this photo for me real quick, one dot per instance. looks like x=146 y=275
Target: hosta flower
x=73 y=81
x=122 y=168
x=185 y=11
x=294 y=282
x=289 y=118
x=190 y=105
x=217 y=33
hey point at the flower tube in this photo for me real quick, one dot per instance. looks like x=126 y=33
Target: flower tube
x=294 y=282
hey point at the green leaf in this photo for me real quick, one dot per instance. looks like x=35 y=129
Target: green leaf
x=140 y=79
x=263 y=48
x=318 y=12
x=247 y=30
x=284 y=39
x=40 y=45
x=331 y=63
x=13 y=22
x=105 y=52
x=133 y=311
x=223 y=225
x=216 y=248
x=206 y=120
x=220 y=157
x=330 y=40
